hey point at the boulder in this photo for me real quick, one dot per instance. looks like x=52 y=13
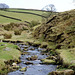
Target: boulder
x=56 y=73
x=25 y=46
x=48 y=61
x=31 y=48
x=28 y=63
x=32 y=58
x=25 y=49
x=65 y=72
x=52 y=57
x=23 y=53
x=69 y=72
x=23 y=69
x=15 y=66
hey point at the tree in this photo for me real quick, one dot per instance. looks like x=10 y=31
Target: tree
x=49 y=7
x=3 y=6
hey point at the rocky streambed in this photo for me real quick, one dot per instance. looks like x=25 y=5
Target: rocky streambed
x=32 y=62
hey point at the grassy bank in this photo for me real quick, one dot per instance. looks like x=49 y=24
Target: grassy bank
x=8 y=52
x=59 y=33
x=68 y=57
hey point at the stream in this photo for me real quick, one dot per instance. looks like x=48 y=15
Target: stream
x=35 y=67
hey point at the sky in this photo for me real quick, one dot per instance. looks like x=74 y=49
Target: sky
x=61 y=5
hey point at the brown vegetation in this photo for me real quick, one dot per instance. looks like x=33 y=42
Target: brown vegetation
x=7 y=36
x=60 y=30
x=17 y=32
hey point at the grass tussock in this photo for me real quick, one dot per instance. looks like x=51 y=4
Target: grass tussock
x=7 y=36
x=11 y=26
x=34 y=23
x=17 y=32
x=68 y=56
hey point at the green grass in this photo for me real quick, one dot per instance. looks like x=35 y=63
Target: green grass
x=22 y=16
x=68 y=56
x=12 y=53
x=31 y=11
x=7 y=20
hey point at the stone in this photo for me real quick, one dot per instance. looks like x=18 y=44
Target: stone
x=23 y=53
x=65 y=72
x=28 y=63
x=25 y=46
x=56 y=73
x=69 y=72
x=52 y=57
x=23 y=69
x=25 y=49
x=32 y=58
x=15 y=66
x=48 y=61
x=31 y=48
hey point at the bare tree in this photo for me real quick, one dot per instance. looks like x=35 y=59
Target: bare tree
x=3 y=6
x=49 y=7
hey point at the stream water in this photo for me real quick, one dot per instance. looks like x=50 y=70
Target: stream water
x=36 y=68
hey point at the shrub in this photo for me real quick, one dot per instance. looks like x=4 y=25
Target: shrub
x=10 y=26
x=24 y=28
x=17 y=32
x=34 y=23
x=7 y=36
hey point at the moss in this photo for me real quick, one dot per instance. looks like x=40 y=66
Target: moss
x=48 y=61
x=23 y=69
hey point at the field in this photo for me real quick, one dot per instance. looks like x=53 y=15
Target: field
x=23 y=15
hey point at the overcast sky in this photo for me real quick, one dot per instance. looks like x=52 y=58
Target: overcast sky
x=61 y=5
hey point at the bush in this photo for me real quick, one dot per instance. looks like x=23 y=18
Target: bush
x=10 y=26
x=7 y=36
x=17 y=32
x=24 y=28
x=34 y=23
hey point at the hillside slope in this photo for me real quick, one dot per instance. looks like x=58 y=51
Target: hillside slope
x=60 y=29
